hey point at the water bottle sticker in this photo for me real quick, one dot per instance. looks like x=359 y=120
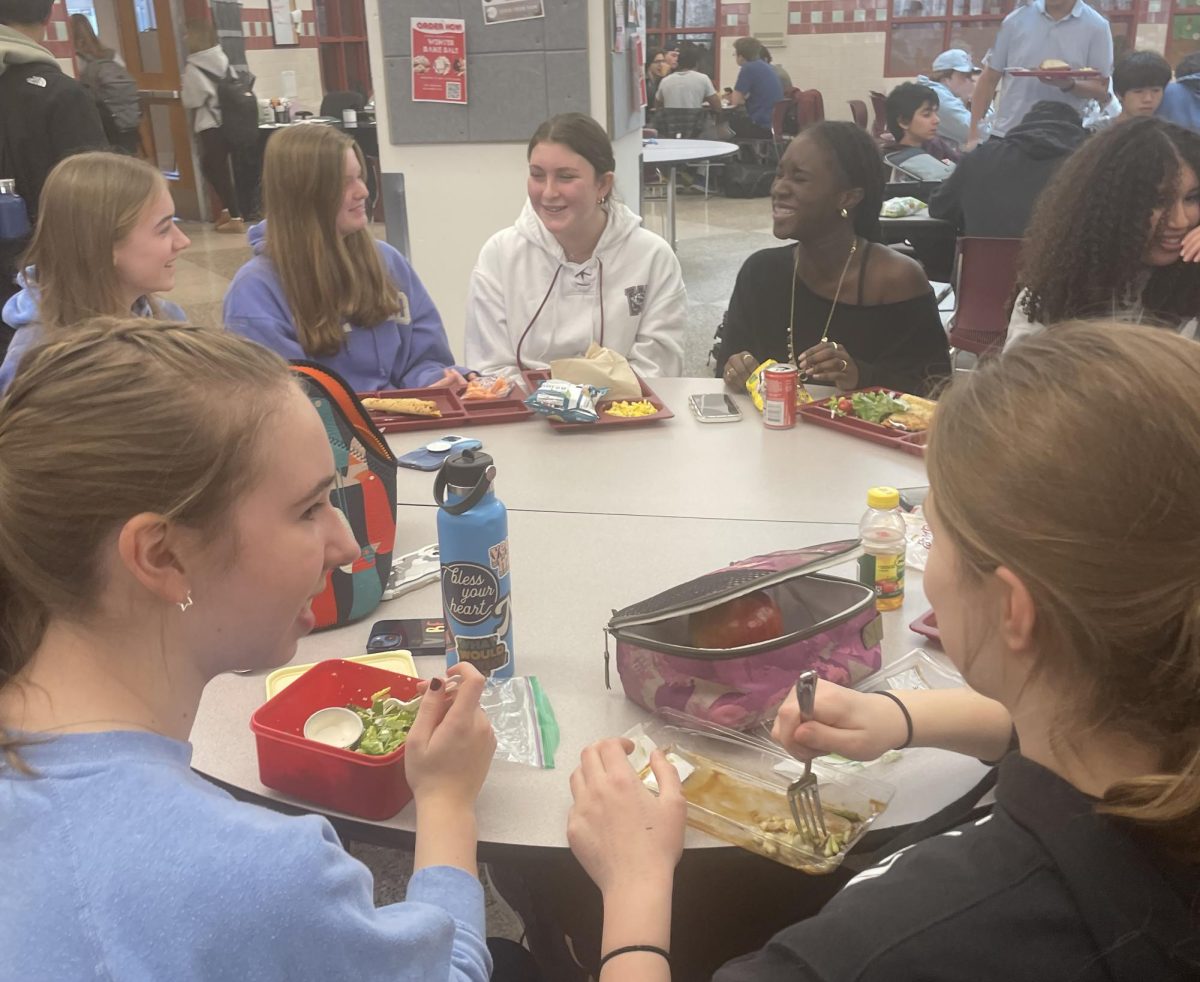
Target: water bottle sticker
x=498 y=558
x=488 y=653
x=470 y=592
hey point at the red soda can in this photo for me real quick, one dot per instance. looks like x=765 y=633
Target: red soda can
x=779 y=397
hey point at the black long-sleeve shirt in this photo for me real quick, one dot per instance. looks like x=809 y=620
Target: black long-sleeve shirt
x=898 y=345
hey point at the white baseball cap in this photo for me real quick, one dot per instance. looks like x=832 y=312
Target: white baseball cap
x=955 y=60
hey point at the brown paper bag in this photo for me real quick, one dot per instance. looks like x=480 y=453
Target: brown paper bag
x=600 y=367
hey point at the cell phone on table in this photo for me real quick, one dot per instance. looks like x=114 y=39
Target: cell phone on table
x=421 y=636
x=430 y=456
x=714 y=407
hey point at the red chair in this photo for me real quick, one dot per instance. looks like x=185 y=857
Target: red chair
x=858 y=112
x=879 y=104
x=984 y=282
x=810 y=107
x=783 y=120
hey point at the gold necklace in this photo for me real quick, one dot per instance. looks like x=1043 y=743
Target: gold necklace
x=836 y=295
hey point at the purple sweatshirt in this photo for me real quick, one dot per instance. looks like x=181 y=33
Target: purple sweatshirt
x=401 y=353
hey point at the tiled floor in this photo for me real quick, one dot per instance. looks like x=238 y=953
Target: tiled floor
x=713 y=235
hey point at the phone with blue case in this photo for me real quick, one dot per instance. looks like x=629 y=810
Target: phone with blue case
x=430 y=456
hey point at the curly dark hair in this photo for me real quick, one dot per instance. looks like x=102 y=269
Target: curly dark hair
x=856 y=164
x=1084 y=246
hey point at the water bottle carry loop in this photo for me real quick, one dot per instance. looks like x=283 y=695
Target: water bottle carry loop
x=470 y=501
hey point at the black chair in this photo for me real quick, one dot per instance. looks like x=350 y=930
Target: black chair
x=685 y=123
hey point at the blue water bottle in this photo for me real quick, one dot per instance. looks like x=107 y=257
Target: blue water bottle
x=14 y=217
x=476 y=586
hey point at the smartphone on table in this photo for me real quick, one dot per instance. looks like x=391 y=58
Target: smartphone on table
x=430 y=456
x=714 y=407
x=421 y=636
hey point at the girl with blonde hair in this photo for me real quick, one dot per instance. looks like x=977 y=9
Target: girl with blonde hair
x=105 y=244
x=1057 y=598
x=321 y=286
x=165 y=517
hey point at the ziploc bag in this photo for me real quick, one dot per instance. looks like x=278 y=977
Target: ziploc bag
x=523 y=720
x=735 y=792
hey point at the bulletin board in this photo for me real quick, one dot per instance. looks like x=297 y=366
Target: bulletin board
x=519 y=72
x=626 y=108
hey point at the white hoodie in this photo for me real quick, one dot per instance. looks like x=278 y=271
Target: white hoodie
x=644 y=304
x=199 y=92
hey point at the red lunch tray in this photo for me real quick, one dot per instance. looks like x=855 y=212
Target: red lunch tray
x=1054 y=73
x=605 y=422
x=885 y=436
x=927 y=625
x=454 y=409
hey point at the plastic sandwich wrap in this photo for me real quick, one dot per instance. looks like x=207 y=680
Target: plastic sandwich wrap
x=523 y=720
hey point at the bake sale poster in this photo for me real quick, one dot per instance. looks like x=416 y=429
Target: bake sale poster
x=439 y=60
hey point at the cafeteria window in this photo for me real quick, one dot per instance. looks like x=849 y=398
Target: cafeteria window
x=919 y=30
x=1183 y=30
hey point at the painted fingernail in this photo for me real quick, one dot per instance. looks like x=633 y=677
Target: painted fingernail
x=435 y=684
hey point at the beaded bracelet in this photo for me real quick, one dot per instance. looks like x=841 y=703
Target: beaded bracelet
x=634 y=947
x=907 y=716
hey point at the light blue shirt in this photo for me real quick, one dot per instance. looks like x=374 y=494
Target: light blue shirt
x=121 y=863
x=1028 y=37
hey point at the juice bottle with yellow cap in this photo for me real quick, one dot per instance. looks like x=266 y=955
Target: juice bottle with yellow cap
x=881 y=531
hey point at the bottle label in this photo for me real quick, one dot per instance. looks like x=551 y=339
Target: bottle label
x=885 y=575
x=477 y=608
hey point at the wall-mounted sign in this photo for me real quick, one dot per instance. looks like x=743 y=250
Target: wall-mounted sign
x=503 y=11
x=281 y=22
x=439 y=60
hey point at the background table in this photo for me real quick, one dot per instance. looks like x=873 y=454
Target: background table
x=572 y=567
x=676 y=152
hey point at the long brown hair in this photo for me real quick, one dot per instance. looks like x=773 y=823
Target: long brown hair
x=84 y=39
x=110 y=420
x=1087 y=508
x=328 y=279
x=1084 y=247
x=89 y=203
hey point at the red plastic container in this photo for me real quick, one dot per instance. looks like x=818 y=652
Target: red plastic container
x=340 y=780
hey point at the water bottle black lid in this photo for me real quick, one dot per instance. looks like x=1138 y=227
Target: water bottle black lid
x=465 y=468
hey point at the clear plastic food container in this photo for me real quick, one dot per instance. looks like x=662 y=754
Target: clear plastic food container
x=735 y=791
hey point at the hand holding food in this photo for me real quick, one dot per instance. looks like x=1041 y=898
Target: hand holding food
x=829 y=362
x=617 y=827
x=451 y=378
x=858 y=725
x=738 y=369
x=451 y=743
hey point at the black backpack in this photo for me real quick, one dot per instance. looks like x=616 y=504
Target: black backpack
x=239 y=108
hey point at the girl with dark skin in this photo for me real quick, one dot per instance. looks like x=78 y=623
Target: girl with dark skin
x=862 y=314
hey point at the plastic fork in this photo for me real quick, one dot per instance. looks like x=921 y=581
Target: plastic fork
x=803 y=797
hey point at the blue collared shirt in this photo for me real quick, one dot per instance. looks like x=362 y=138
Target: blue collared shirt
x=1028 y=37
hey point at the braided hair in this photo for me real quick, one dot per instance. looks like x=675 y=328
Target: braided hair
x=857 y=164
x=1090 y=227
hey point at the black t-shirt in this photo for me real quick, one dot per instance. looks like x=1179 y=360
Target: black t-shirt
x=1042 y=889
x=44 y=117
x=898 y=345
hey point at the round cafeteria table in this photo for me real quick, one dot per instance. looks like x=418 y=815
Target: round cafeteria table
x=598 y=521
x=676 y=152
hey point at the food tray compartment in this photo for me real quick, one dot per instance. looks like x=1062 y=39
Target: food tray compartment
x=927 y=626
x=510 y=409
x=330 y=777
x=916 y=670
x=448 y=402
x=738 y=792
x=534 y=378
x=885 y=436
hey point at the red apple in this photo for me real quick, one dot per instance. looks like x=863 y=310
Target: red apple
x=744 y=620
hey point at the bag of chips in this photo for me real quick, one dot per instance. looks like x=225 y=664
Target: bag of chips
x=566 y=401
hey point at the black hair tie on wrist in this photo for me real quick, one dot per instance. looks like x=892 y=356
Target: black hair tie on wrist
x=907 y=716
x=630 y=948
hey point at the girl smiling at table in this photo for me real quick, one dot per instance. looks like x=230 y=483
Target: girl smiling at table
x=1057 y=601
x=844 y=309
x=164 y=518
x=1109 y=232
x=106 y=243
x=577 y=267
x=321 y=287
